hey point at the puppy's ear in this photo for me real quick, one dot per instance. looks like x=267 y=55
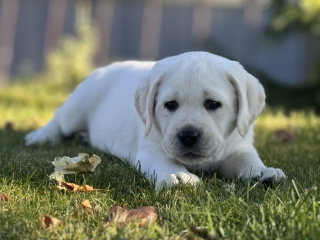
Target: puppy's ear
x=140 y=98
x=251 y=97
x=144 y=99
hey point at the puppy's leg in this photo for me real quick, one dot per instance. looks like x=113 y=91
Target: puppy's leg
x=70 y=118
x=247 y=164
x=164 y=171
x=49 y=133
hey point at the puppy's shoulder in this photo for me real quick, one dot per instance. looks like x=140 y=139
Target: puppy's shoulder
x=236 y=142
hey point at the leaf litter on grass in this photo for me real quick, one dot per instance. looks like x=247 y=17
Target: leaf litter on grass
x=4 y=197
x=122 y=216
x=203 y=233
x=84 y=210
x=84 y=164
x=49 y=221
x=81 y=164
x=282 y=135
x=75 y=188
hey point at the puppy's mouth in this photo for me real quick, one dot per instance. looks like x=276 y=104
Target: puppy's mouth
x=191 y=155
x=187 y=156
x=191 y=158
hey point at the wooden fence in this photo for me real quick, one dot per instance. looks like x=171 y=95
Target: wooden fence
x=150 y=30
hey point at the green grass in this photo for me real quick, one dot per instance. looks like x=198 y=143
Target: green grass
x=287 y=211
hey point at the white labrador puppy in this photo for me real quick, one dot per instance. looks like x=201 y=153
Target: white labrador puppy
x=194 y=110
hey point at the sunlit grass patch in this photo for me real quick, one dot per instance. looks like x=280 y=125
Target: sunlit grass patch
x=272 y=119
x=29 y=105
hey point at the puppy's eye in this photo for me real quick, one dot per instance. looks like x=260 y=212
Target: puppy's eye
x=171 y=106
x=211 y=105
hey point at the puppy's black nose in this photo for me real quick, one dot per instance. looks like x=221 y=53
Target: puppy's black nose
x=188 y=137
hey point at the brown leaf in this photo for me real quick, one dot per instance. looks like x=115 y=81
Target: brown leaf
x=75 y=188
x=86 y=188
x=68 y=186
x=122 y=216
x=117 y=214
x=282 y=136
x=49 y=221
x=203 y=233
x=4 y=197
x=143 y=214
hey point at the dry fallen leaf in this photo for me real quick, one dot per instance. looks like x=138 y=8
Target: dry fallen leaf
x=123 y=216
x=49 y=221
x=117 y=214
x=282 y=136
x=68 y=186
x=87 y=188
x=143 y=214
x=203 y=233
x=4 y=197
x=86 y=204
x=75 y=188
x=84 y=210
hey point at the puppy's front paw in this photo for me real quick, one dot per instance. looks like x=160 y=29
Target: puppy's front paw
x=264 y=174
x=176 y=178
x=270 y=175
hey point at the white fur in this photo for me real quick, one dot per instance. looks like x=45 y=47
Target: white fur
x=121 y=106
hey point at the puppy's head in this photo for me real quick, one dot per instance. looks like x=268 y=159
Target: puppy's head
x=194 y=101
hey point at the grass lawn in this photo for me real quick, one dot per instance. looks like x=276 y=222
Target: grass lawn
x=287 y=211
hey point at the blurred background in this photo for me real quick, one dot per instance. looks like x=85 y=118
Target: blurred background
x=59 y=42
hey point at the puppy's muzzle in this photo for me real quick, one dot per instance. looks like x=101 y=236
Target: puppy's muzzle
x=189 y=137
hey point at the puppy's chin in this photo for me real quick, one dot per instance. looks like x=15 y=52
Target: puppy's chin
x=191 y=158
